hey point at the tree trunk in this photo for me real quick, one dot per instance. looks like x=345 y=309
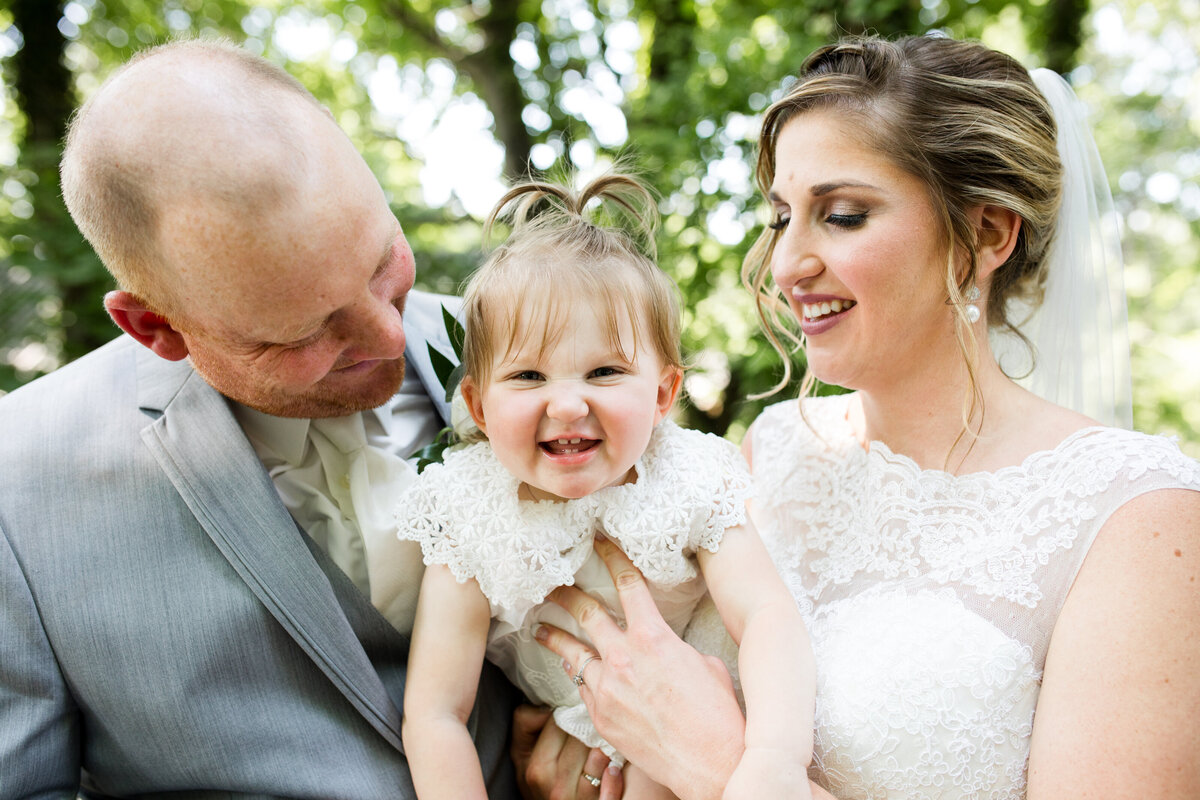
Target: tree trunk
x=490 y=68
x=1064 y=33
x=55 y=251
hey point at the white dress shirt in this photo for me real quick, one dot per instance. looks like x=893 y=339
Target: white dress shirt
x=339 y=478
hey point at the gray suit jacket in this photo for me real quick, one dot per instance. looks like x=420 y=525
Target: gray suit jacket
x=164 y=625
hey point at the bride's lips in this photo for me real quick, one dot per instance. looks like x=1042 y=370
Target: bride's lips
x=819 y=313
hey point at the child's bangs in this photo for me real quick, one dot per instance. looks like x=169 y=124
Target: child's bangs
x=538 y=302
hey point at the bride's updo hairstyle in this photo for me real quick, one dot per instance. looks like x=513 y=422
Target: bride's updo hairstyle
x=969 y=123
x=597 y=245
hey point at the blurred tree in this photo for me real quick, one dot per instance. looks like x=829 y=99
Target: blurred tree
x=672 y=86
x=1141 y=74
x=49 y=279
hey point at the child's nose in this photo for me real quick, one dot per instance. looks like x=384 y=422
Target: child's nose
x=566 y=404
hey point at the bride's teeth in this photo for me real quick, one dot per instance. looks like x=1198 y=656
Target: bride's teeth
x=818 y=310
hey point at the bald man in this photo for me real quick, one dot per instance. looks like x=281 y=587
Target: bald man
x=195 y=539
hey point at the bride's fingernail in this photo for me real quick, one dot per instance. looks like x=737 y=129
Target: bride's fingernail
x=613 y=769
x=600 y=537
x=540 y=633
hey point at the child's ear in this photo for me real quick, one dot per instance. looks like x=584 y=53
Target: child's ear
x=668 y=390
x=474 y=401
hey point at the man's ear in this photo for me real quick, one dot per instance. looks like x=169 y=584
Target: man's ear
x=474 y=400
x=668 y=390
x=147 y=327
x=997 y=229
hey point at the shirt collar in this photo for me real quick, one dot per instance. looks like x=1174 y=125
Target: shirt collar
x=285 y=437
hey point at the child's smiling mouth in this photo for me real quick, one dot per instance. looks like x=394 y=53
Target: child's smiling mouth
x=568 y=447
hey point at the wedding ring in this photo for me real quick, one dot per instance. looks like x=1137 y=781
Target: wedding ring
x=592 y=779
x=578 y=679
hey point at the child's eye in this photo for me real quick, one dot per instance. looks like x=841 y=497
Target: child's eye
x=526 y=375
x=607 y=372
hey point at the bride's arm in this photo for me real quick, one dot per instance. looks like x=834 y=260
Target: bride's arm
x=1118 y=715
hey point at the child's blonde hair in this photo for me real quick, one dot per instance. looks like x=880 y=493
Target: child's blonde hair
x=555 y=252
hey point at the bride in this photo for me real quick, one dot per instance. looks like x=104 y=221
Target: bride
x=1001 y=590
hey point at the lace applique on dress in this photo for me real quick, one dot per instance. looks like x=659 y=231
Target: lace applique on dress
x=931 y=597
x=465 y=514
x=691 y=487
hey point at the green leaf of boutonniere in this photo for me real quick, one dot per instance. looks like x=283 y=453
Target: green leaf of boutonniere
x=435 y=451
x=449 y=372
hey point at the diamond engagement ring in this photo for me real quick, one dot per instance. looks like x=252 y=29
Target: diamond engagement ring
x=578 y=679
x=592 y=779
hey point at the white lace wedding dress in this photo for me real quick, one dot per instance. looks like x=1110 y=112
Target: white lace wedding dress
x=931 y=598
x=690 y=488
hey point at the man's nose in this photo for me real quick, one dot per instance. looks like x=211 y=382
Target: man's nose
x=379 y=331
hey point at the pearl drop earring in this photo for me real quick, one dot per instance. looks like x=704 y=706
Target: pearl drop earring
x=972 y=309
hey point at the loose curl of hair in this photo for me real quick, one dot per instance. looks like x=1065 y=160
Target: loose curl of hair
x=970 y=124
x=554 y=255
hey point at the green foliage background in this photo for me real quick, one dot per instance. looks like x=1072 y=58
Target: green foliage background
x=689 y=88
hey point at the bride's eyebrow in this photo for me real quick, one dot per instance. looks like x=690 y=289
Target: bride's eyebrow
x=822 y=189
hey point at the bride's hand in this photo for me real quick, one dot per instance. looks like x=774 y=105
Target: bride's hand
x=666 y=707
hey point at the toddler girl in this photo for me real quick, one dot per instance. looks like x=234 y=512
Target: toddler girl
x=571 y=366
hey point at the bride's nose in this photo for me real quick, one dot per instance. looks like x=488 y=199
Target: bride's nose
x=795 y=258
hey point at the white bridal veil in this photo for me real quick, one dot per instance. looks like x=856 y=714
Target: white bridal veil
x=1080 y=331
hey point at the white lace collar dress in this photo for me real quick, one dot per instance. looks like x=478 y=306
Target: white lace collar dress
x=931 y=597
x=465 y=514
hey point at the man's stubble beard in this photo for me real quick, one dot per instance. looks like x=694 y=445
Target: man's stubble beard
x=317 y=402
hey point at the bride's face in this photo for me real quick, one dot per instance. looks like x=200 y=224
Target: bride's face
x=859 y=257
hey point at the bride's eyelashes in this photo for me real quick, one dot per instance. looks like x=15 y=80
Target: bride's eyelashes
x=848 y=221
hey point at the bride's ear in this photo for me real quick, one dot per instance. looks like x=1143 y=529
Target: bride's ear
x=996 y=230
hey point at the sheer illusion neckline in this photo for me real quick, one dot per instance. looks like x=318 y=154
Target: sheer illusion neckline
x=877 y=451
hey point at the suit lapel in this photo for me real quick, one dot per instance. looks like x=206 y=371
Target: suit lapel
x=201 y=448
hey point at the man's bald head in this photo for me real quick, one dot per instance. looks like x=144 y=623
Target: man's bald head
x=192 y=125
